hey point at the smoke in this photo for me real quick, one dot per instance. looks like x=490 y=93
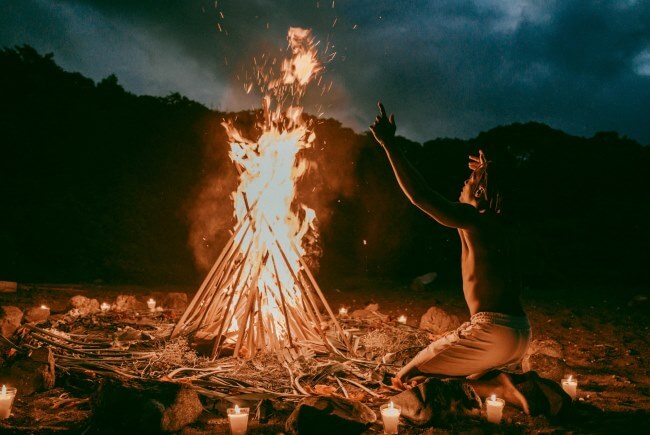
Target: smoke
x=210 y=210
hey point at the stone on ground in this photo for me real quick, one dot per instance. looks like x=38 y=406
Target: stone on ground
x=546 y=357
x=174 y=301
x=10 y=318
x=36 y=315
x=125 y=303
x=30 y=374
x=83 y=306
x=133 y=406
x=8 y=287
x=437 y=321
x=330 y=415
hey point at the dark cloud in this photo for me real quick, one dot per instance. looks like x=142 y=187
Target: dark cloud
x=446 y=68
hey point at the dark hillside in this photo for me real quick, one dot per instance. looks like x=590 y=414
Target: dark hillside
x=100 y=184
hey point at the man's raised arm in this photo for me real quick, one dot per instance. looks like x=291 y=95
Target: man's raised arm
x=416 y=189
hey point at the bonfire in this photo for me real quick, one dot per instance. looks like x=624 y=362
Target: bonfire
x=260 y=293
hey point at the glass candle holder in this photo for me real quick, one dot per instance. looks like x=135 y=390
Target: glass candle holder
x=390 y=416
x=7 y=395
x=570 y=386
x=494 y=409
x=238 y=418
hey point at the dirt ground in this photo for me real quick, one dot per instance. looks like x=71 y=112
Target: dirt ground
x=604 y=333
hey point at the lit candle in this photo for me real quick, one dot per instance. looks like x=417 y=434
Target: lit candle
x=6 y=400
x=494 y=407
x=238 y=418
x=151 y=304
x=390 y=415
x=570 y=386
x=105 y=306
x=402 y=319
x=44 y=307
x=343 y=311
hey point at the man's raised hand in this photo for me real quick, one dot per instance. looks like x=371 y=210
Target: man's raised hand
x=476 y=162
x=384 y=127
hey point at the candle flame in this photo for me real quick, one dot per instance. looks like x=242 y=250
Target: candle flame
x=44 y=307
x=151 y=300
x=236 y=409
x=4 y=390
x=570 y=378
x=391 y=406
x=493 y=397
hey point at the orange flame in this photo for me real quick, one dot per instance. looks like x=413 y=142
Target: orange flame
x=269 y=168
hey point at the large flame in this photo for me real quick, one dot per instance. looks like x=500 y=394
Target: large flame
x=269 y=168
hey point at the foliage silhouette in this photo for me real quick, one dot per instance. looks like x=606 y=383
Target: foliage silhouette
x=101 y=184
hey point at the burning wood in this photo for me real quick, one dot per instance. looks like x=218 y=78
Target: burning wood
x=260 y=294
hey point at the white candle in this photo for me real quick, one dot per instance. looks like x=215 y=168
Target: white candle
x=105 y=306
x=390 y=415
x=238 y=418
x=151 y=304
x=494 y=407
x=570 y=386
x=402 y=319
x=6 y=400
x=343 y=311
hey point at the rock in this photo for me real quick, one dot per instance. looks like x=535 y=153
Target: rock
x=436 y=320
x=36 y=315
x=329 y=415
x=362 y=314
x=174 y=301
x=638 y=301
x=8 y=287
x=83 y=306
x=422 y=281
x=31 y=374
x=546 y=357
x=10 y=318
x=129 y=334
x=125 y=303
x=144 y=406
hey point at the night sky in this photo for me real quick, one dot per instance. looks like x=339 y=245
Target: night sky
x=448 y=68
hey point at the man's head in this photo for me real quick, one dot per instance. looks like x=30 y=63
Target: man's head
x=481 y=189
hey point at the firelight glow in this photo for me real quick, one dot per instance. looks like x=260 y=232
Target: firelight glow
x=269 y=168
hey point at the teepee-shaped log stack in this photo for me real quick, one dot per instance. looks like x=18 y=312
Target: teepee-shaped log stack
x=244 y=302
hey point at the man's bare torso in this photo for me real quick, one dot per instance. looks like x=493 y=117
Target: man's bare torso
x=490 y=268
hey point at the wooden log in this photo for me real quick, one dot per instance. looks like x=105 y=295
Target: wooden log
x=284 y=305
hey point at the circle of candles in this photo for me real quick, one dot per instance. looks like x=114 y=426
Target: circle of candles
x=402 y=319
x=7 y=396
x=151 y=304
x=570 y=386
x=390 y=415
x=238 y=418
x=494 y=408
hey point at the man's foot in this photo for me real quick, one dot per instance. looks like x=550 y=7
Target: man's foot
x=501 y=384
x=544 y=395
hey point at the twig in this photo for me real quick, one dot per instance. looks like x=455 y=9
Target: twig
x=372 y=393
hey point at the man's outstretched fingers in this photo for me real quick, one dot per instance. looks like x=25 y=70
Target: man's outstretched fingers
x=382 y=111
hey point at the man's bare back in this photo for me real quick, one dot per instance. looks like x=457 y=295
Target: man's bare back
x=498 y=332
x=488 y=264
